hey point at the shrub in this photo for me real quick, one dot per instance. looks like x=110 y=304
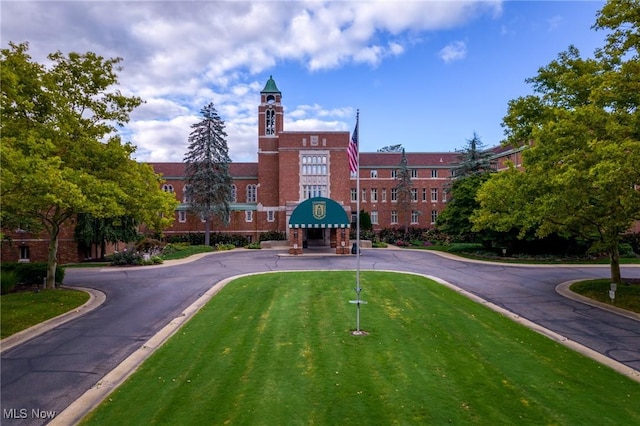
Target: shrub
x=626 y=250
x=174 y=248
x=272 y=236
x=33 y=272
x=149 y=245
x=8 y=281
x=378 y=244
x=124 y=258
x=221 y=247
x=255 y=245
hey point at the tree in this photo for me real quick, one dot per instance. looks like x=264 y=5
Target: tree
x=455 y=219
x=60 y=153
x=91 y=231
x=473 y=158
x=208 y=182
x=391 y=148
x=581 y=173
x=403 y=192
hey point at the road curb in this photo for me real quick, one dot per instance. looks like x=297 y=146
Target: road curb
x=96 y=298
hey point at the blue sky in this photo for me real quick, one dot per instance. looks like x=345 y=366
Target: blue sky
x=424 y=74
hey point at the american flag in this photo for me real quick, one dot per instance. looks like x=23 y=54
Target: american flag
x=353 y=150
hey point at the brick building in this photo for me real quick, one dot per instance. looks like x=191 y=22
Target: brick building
x=294 y=167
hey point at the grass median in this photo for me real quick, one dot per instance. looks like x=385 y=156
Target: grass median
x=25 y=309
x=278 y=349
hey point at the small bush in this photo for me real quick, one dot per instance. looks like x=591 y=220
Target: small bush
x=272 y=236
x=254 y=245
x=626 y=250
x=32 y=273
x=8 y=281
x=221 y=247
x=379 y=244
x=125 y=258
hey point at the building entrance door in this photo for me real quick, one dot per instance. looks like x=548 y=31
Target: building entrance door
x=316 y=237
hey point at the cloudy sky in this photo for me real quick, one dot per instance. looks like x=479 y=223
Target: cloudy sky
x=424 y=74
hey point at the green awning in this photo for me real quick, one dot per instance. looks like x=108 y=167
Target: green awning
x=319 y=212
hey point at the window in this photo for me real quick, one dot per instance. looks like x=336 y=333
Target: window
x=414 y=216
x=394 y=173
x=434 y=173
x=167 y=188
x=414 y=195
x=434 y=194
x=434 y=216
x=271 y=216
x=270 y=124
x=394 y=195
x=364 y=195
x=444 y=196
x=314 y=175
x=354 y=195
x=374 y=217
x=414 y=173
x=394 y=216
x=374 y=174
x=185 y=195
x=248 y=215
x=234 y=193
x=374 y=195
x=384 y=195
x=354 y=217
x=424 y=194
x=182 y=216
x=24 y=253
x=252 y=194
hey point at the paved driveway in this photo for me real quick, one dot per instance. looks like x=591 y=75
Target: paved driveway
x=49 y=372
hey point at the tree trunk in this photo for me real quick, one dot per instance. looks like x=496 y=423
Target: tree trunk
x=207 y=231
x=614 y=256
x=52 y=261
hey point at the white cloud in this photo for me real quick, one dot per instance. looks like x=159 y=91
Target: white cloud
x=454 y=51
x=179 y=56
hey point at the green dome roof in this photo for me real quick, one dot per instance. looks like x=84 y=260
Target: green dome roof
x=270 y=87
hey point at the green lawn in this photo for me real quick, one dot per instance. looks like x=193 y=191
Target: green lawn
x=276 y=349
x=19 y=311
x=627 y=296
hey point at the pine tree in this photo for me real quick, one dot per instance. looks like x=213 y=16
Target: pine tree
x=403 y=191
x=473 y=158
x=208 y=182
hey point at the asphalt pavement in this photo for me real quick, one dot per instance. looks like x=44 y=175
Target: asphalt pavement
x=56 y=372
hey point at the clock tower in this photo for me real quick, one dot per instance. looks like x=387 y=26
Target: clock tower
x=270 y=126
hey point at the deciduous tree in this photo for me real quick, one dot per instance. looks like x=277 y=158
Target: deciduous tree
x=581 y=173
x=61 y=154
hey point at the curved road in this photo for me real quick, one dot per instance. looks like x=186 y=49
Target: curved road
x=47 y=373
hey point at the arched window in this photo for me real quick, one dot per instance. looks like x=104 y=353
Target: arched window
x=185 y=195
x=270 y=124
x=167 y=188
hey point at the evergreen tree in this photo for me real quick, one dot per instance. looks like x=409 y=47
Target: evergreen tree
x=473 y=158
x=403 y=191
x=208 y=182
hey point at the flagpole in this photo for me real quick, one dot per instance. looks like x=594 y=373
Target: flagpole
x=358 y=288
